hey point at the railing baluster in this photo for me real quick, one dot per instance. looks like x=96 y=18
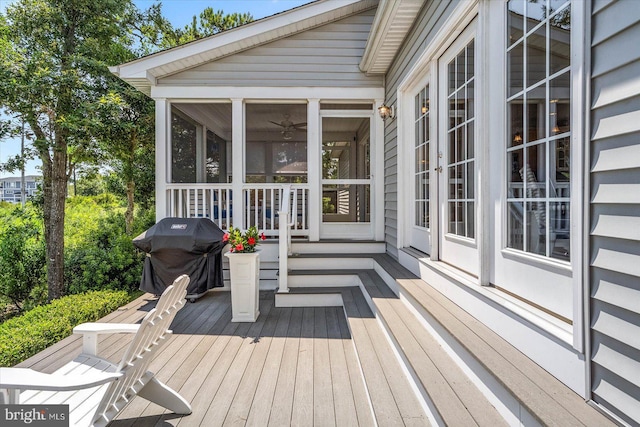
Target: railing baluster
x=179 y=214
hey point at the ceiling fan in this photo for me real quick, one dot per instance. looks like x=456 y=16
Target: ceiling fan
x=288 y=127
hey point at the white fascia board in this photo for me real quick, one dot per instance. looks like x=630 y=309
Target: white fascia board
x=191 y=93
x=268 y=27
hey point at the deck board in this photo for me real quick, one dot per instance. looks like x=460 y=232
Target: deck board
x=293 y=366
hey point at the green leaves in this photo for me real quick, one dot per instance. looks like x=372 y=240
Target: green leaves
x=24 y=336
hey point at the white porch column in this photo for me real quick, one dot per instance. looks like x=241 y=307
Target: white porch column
x=237 y=160
x=314 y=174
x=377 y=172
x=163 y=160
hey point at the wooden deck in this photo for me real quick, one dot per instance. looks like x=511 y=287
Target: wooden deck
x=294 y=366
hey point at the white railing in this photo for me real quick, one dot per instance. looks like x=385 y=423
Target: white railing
x=287 y=215
x=213 y=201
x=259 y=205
x=263 y=202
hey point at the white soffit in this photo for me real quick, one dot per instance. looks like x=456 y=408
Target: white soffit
x=142 y=73
x=391 y=24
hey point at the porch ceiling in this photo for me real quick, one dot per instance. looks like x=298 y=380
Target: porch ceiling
x=142 y=73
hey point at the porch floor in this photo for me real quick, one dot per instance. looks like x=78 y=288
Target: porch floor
x=294 y=366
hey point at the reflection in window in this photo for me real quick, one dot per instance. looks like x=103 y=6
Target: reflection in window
x=539 y=127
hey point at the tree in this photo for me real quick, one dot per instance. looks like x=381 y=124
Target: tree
x=127 y=136
x=156 y=32
x=52 y=72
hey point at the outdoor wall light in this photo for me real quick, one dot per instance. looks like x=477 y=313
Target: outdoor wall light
x=386 y=112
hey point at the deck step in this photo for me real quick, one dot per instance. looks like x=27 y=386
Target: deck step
x=392 y=401
x=540 y=397
x=454 y=399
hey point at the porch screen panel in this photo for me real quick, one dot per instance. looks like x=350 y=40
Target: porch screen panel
x=183 y=149
x=539 y=128
x=460 y=168
x=421 y=158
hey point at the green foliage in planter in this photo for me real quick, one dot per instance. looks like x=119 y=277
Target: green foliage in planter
x=26 y=335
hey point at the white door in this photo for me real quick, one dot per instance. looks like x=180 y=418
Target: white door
x=420 y=174
x=346 y=177
x=457 y=166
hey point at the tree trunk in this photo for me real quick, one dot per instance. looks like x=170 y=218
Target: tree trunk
x=128 y=215
x=55 y=242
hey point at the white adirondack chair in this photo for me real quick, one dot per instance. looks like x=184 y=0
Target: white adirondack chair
x=96 y=389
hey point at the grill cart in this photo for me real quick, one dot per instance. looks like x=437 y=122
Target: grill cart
x=176 y=246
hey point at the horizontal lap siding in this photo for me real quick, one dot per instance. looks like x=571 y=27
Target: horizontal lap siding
x=327 y=56
x=427 y=24
x=615 y=208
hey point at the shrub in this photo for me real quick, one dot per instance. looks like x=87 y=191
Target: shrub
x=106 y=260
x=26 y=335
x=22 y=259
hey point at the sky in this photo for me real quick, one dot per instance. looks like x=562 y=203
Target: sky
x=180 y=13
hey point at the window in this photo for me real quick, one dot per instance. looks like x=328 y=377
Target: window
x=539 y=128
x=421 y=156
x=460 y=143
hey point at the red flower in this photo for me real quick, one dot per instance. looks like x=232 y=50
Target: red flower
x=262 y=236
x=225 y=238
x=251 y=241
x=239 y=247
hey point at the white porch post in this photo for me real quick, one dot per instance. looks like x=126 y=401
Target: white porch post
x=377 y=171
x=163 y=160
x=314 y=174
x=237 y=160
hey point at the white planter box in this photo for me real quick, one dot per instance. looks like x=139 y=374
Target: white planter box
x=245 y=284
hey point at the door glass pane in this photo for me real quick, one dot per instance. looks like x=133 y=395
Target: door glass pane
x=421 y=151
x=346 y=203
x=538 y=128
x=460 y=161
x=345 y=156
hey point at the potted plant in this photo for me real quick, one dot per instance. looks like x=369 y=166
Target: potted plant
x=244 y=266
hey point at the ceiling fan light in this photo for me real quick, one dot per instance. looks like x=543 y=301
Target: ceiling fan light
x=287 y=134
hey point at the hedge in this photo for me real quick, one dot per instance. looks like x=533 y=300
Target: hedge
x=22 y=337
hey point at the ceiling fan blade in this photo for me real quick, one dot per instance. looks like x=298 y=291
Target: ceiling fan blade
x=301 y=125
x=275 y=123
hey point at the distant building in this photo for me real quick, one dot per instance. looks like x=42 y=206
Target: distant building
x=10 y=187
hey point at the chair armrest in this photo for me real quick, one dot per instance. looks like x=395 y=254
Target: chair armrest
x=28 y=379
x=90 y=332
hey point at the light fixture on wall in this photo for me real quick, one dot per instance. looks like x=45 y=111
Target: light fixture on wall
x=425 y=108
x=386 y=112
x=517 y=138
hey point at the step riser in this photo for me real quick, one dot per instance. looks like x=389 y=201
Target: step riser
x=308 y=300
x=330 y=263
x=338 y=248
x=317 y=281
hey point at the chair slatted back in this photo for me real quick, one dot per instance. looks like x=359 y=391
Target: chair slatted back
x=153 y=332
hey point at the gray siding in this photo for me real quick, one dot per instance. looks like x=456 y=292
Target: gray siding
x=327 y=56
x=427 y=24
x=615 y=207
